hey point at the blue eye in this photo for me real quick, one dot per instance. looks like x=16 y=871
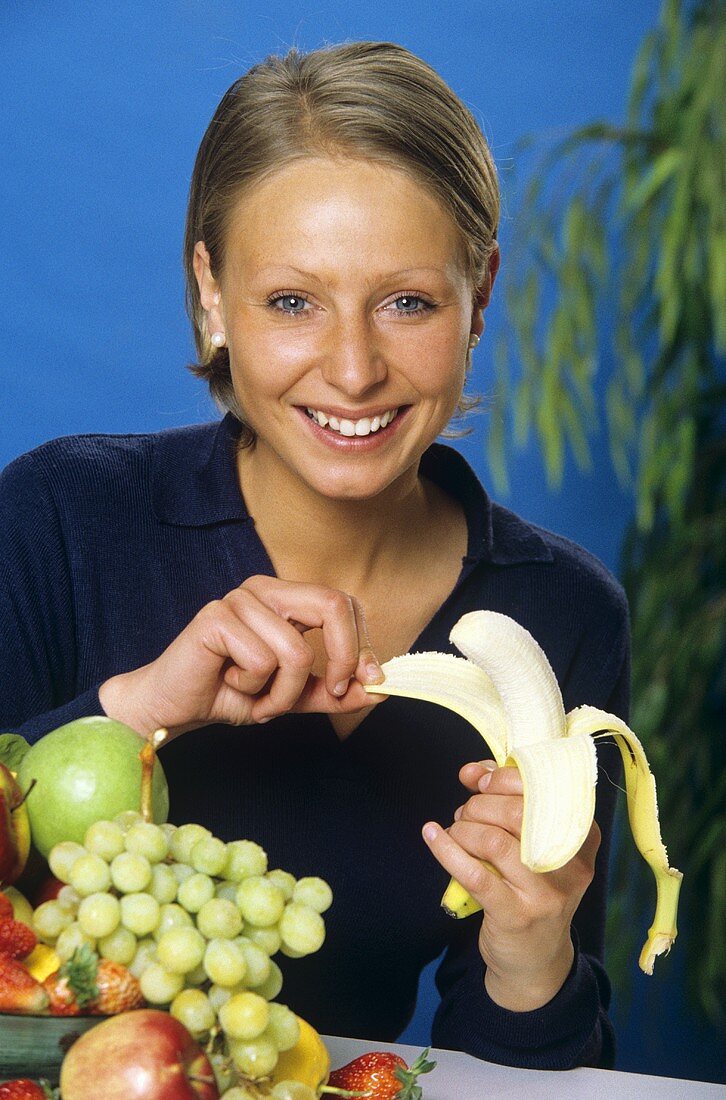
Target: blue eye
x=288 y=303
x=411 y=305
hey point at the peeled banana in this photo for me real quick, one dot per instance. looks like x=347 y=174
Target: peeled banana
x=506 y=688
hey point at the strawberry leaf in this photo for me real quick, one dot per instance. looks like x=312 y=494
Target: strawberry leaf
x=410 y=1090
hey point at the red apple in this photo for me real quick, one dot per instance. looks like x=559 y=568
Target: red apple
x=47 y=889
x=141 y=1055
x=14 y=828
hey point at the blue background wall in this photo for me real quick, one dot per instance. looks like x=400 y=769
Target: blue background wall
x=104 y=105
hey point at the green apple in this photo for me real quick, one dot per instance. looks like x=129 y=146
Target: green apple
x=88 y=770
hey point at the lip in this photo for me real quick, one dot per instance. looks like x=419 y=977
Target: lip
x=354 y=443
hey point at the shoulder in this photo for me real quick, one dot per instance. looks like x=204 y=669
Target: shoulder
x=94 y=465
x=569 y=571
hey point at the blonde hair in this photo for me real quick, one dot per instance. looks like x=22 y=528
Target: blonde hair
x=370 y=100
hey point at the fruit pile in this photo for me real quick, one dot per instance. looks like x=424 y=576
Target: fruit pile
x=179 y=918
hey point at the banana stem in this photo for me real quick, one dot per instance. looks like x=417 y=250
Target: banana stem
x=148 y=757
x=663 y=930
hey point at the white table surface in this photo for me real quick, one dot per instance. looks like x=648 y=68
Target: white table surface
x=461 y=1077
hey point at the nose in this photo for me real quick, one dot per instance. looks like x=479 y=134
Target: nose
x=353 y=363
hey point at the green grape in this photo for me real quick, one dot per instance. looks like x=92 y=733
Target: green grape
x=181 y=871
x=288 y=1090
x=127 y=818
x=244 y=1016
x=270 y=988
x=158 y=986
x=191 y=1007
x=197 y=976
x=62 y=857
x=224 y=962
x=253 y=1057
x=220 y=994
x=266 y=938
x=99 y=915
x=104 y=839
x=283 y=1027
x=172 y=916
x=119 y=947
x=130 y=872
x=49 y=920
x=69 y=899
x=219 y=919
x=314 y=892
x=183 y=840
x=209 y=855
x=180 y=950
x=163 y=885
x=244 y=858
x=291 y=953
x=260 y=902
x=145 y=954
x=226 y=890
x=240 y=1092
x=71 y=938
x=147 y=839
x=257 y=962
x=90 y=875
x=301 y=928
x=283 y=880
x=140 y=913
x=194 y=892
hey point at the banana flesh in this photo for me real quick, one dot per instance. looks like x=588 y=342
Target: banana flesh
x=505 y=687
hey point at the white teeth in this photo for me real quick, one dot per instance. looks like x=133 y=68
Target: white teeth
x=350 y=428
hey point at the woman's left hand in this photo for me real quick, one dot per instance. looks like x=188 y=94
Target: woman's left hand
x=525 y=936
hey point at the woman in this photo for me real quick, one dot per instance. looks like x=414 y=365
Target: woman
x=340 y=253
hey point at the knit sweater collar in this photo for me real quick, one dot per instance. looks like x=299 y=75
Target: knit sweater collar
x=194 y=484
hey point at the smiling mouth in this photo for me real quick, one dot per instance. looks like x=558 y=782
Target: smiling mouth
x=366 y=425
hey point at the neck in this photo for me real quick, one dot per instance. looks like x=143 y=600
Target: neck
x=346 y=541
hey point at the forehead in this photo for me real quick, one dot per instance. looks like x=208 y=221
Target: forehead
x=342 y=211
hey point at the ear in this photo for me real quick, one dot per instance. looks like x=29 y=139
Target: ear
x=209 y=292
x=484 y=292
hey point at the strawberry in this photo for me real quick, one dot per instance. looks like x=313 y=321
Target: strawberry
x=118 y=990
x=19 y=991
x=382 y=1075
x=16 y=939
x=6 y=907
x=24 y=1089
x=85 y=984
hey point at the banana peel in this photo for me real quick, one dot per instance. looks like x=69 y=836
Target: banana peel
x=505 y=687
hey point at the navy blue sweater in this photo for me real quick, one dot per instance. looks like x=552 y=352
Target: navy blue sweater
x=109 y=545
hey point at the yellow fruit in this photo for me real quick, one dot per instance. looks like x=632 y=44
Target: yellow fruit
x=22 y=909
x=308 y=1061
x=41 y=962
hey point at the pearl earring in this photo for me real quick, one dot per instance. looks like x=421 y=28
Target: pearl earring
x=473 y=341
x=217 y=339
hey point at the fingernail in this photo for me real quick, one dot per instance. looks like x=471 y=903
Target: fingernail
x=375 y=672
x=490 y=765
x=430 y=832
x=485 y=781
x=341 y=687
x=458 y=813
x=261 y=721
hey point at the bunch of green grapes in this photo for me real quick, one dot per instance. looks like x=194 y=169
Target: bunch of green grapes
x=197 y=921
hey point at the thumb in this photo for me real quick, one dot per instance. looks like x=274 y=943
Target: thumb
x=470 y=774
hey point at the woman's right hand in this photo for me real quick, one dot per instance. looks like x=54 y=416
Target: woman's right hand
x=244 y=659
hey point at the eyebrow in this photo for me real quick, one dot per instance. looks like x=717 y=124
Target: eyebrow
x=408 y=271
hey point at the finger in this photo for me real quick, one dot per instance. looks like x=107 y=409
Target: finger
x=293 y=656
x=225 y=636
x=502 y=810
x=368 y=669
x=315 y=697
x=470 y=774
x=505 y=780
x=308 y=606
x=495 y=845
x=481 y=882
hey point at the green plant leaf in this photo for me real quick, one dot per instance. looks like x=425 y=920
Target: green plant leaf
x=13 y=748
